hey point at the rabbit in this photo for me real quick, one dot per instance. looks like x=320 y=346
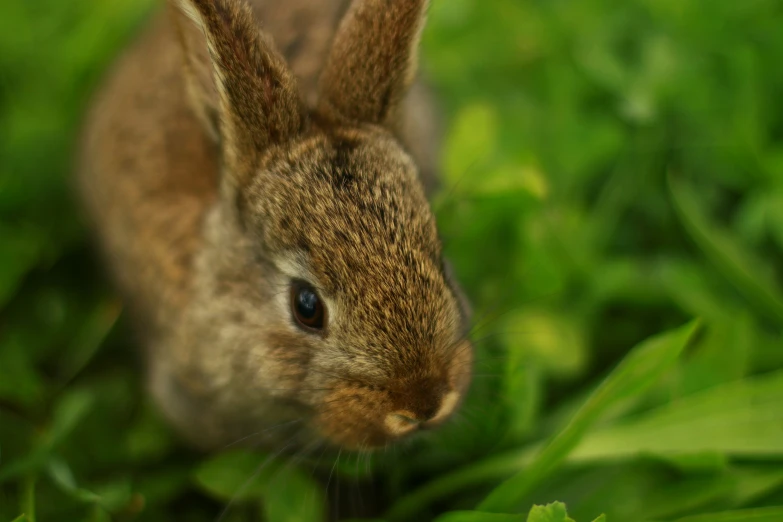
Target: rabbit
x=264 y=216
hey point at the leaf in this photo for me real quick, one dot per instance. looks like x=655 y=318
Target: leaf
x=89 y=339
x=62 y=476
x=110 y=496
x=697 y=462
x=20 y=250
x=471 y=140
x=501 y=465
x=554 y=340
x=69 y=411
x=149 y=438
x=20 y=518
x=478 y=516
x=683 y=496
x=722 y=355
x=743 y=418
x=293 y=496
x=490 y=469
x=99 y=514
x=163 y=484
x=28 y=494
x=694 y=289
x=771 y=514
x=737 y=266
x=639 y=369
x=33 y=460
x=234 y=475
x=639 y=490
x=20 y=383
x=523 y=382
x=72 y=407
x=114 y=495
x=755 y=482
x=288 y=494
x=554 y=512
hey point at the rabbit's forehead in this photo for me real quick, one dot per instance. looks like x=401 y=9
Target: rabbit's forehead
x=387 y=293
x=349 y=200
x=400 y=301
x=357 y=213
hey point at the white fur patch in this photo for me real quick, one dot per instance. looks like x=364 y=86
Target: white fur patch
x=447 y=406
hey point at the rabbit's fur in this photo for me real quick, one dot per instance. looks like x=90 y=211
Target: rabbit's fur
x=217 y=170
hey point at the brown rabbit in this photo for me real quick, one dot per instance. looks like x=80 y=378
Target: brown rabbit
x=268 y=228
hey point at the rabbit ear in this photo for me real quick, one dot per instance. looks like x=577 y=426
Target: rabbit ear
x=197 y=72
x=258 y=102
x=373 y=60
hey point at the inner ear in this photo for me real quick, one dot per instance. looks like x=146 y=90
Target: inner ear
x=258 y=102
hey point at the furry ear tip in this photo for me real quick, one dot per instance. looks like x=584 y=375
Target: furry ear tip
x=370 y=66
x=188 y=9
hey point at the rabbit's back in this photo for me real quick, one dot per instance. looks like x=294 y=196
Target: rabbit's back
x=147 y=174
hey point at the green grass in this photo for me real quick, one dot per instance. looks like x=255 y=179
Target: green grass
x=613 y=178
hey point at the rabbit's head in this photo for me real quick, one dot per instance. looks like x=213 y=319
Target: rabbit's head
x=322 y=280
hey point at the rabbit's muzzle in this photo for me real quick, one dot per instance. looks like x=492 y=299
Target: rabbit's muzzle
x=358 y=415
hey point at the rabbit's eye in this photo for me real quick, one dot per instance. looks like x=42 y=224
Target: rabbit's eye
x=306 y=307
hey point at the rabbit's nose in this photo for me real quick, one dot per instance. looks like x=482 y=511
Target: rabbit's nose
x=401 y=422
x=447 y=406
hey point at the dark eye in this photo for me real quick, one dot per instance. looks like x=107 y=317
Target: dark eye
x=306 y=307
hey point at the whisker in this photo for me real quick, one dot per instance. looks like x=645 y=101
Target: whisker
x=301 y=454
x=368 y=465
x=447 y=198
x=317 y=464
x=261 y=432
x=478 y=327
x=358 y=478
x=329 y=481
x=252 y=477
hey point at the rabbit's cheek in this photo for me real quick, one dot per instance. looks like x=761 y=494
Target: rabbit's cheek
x=351 y=417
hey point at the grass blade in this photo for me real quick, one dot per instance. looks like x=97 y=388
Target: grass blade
x=736 y=265
x=743 y=417
x=771 y=514
x=640 y=368
x=477 y=516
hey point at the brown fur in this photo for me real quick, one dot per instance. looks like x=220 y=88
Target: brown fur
x=216 y=172
x=372 y=60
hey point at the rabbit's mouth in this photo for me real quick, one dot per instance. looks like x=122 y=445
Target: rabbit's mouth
x=359 y=415
x=361 y=418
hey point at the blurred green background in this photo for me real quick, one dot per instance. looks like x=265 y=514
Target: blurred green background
x=612 y=171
